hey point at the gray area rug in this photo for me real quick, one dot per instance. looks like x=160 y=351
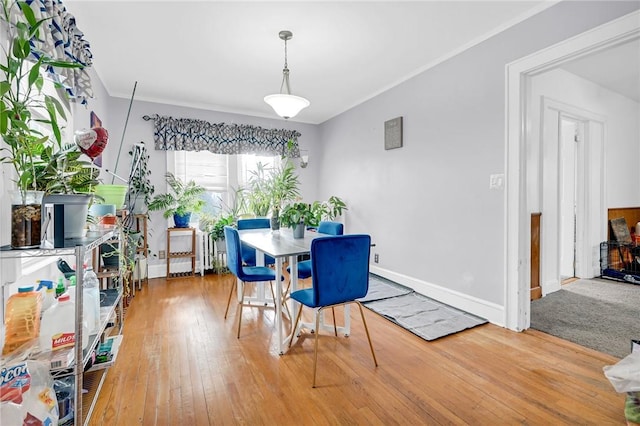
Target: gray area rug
x=599 y=314
x=381 y=288
x=423 y=316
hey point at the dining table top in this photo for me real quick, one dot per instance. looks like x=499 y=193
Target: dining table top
x=279 y=243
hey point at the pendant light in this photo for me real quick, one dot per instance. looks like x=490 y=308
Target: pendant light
x=284 y=103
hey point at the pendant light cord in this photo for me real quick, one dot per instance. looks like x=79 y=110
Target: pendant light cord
x=285 y=73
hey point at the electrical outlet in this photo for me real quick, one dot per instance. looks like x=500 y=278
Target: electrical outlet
x=161 y=254
x=376 y=258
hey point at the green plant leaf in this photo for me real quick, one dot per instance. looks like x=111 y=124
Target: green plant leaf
x=28 y=13
x=34 y=73
x=4 y=88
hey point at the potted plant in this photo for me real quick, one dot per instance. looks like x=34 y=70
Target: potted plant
x=27 y=115
x=283 y=187
x=217 y=232
x=257 y=195
x=141 y=189
x=301 y=215
x=183 y=200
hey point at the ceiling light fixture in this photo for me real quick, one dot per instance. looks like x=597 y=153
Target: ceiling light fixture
x=284 y=103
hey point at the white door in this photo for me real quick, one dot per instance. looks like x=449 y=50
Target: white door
x=572 y=194
x=570 y=131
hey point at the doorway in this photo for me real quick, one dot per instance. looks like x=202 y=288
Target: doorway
x=521 y=196
x=570 y=181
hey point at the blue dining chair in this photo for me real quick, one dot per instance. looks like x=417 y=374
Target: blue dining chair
x=340 y=275
x=304 y=267
x=246 y=274
x=248 y=252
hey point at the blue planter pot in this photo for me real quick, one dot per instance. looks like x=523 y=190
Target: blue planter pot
x=182 y=221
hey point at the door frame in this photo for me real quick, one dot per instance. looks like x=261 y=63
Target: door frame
x=591 y=209
x=517 y=225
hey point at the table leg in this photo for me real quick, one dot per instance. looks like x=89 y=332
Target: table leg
x=278 y=303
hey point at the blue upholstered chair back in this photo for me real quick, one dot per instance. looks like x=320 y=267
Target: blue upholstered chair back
x=248 y=252
x=333 y=228
x=257 y=223
x=340 y=268
x=234 y=257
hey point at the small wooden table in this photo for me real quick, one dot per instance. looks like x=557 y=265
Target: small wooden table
x=184 y=254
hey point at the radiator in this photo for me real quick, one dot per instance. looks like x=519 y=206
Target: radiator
x=207 y=252
x=206 y=249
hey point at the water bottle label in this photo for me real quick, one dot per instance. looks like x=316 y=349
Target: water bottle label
x=14 y=381
x=63 y=340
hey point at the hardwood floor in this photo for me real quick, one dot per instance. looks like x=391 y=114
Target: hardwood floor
x=181 y=364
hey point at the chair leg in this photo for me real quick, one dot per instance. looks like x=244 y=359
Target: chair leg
x=335 y=326
x=233 y=285
x=366 y=329
x=315 y=357
x=273 y=293
x=241 y=304
x=295 y=325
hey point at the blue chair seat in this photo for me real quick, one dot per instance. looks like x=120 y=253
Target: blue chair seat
x=304 y=296
x=259 y=273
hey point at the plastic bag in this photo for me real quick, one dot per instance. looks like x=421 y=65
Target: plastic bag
x=625 y=374
x=26 y=394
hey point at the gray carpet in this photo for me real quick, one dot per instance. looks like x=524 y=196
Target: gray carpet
x=423 y=316
x=600 y=314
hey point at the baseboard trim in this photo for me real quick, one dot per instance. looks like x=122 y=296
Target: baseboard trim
x=492 y=312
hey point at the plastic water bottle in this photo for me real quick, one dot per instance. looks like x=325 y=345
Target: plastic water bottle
x=22 y=318
x=48 y=294
x=59 y=326
x=88 y=309
x=91 y=286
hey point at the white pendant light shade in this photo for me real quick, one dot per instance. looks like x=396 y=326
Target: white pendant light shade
x=286 y=106
x=284 y=103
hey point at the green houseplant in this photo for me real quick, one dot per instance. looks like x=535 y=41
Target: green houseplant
x=141 y=189
x=283 y=187
x=182 y=200
x=300 y=215
x=30 y=120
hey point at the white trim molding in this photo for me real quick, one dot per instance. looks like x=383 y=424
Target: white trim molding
x=492 y=312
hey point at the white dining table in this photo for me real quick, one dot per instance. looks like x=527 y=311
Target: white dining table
x=280 y=245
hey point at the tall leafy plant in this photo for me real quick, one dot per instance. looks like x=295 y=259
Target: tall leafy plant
x=283 y=185
x=23 y=103
x=181 y=199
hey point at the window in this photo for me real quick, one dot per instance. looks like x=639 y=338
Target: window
x=220 y=174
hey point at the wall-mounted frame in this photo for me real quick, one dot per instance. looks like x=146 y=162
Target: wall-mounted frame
x=393 y=133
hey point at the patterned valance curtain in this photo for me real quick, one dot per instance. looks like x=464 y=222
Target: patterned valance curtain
x=60 y=39
x=184 y=134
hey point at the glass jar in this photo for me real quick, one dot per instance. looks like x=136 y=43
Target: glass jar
x=26 y=219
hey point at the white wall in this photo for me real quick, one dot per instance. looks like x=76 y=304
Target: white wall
x=436 y=224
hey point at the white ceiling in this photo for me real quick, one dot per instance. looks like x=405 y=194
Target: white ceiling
x=227 y=55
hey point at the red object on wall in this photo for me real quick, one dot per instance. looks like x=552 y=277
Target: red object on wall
x=92 y=141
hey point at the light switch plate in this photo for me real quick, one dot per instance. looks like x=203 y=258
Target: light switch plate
x=496 y=181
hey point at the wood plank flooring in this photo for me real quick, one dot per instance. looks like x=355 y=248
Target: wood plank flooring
x=181 y=364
